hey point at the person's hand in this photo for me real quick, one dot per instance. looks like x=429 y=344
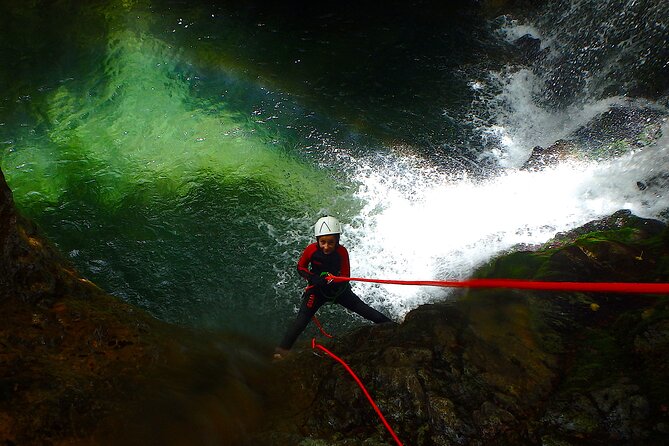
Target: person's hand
x=319 y=281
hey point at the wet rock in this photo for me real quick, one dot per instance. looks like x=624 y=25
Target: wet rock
x=540 y=158
x=615 y=413
x=529 y=48
x=637 y=228
x=623 y=406
x=654 y=337
x=618 y=130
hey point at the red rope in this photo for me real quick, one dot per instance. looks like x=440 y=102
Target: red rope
x=361 y=385
x=320 y=327
x=609 y=287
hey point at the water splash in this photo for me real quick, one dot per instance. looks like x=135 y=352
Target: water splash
x=591 y=58
x=420 y=223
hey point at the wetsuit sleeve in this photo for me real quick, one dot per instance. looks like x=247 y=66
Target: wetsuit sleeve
x=305 y=260
x=345 y=270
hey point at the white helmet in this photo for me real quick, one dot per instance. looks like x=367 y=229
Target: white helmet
x=327 y=226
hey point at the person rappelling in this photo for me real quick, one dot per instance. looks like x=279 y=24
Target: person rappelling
x=319 y=260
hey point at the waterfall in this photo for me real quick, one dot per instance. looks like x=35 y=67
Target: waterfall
x=424 y=222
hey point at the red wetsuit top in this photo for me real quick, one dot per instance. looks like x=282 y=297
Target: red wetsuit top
x=313 y=262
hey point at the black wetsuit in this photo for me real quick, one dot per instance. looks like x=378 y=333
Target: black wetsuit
x=312 y=263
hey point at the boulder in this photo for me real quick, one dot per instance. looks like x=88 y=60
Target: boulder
x=540 y=158
x=529 y=48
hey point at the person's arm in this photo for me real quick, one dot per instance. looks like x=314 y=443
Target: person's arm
x=345 y=262
x=305 y=259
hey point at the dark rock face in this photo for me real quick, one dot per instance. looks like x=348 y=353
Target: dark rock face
x=80 y=367
x=502 y=367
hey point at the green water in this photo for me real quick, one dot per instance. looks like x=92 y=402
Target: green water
x=170 y=201
x=178 y=153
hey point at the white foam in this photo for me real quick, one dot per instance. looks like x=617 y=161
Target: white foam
x=420 y=223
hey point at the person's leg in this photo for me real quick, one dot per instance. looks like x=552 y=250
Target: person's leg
x=351 y=301
x=311 y=302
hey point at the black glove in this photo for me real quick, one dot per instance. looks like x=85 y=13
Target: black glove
x=318 y=281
